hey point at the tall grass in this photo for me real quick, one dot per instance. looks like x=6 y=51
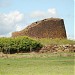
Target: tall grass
x=47 y=41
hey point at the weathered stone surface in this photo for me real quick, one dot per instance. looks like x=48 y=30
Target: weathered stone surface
x=58 y=48
x=47 y=28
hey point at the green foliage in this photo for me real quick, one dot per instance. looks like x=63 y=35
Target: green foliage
x=19 y=44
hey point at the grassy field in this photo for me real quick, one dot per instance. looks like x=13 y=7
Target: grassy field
x=37 y=64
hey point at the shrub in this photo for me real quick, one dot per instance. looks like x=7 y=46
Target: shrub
x=19 y=44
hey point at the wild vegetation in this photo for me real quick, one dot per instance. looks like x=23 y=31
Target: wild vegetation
x=33 y=63
x=27 y=44
x=57 y=41
x=19 y=44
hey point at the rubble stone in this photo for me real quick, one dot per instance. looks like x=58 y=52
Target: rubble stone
x=58 y=48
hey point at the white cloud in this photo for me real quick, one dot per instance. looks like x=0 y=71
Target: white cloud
x=14 y=16
x=19 y=27
x=51 y=12
x=6 y=35
x=10 y=21
x=37 y=14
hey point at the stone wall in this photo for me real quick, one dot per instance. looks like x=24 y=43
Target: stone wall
x=57 y=48
x=47 y=28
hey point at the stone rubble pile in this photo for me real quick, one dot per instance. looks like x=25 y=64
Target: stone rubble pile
x=58 y=48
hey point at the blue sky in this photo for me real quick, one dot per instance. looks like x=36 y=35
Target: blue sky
x=17 y=14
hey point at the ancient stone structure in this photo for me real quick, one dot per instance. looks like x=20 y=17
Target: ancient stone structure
x=57 y=48
x=47 y=28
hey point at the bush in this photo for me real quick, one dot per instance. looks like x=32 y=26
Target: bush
x=19 y=44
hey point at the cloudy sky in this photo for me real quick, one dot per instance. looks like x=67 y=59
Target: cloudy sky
x=15 y=15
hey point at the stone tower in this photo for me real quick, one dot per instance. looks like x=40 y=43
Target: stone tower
x=47 y=28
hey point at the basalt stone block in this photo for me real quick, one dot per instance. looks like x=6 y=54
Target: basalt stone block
x=47 y=28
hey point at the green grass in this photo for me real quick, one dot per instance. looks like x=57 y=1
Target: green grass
x=47 y=41
x=37 y=64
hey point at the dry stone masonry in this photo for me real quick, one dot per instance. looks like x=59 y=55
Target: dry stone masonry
x=58 y=48
x=47 y=28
